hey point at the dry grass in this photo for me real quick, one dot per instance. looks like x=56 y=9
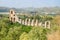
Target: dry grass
x=54 y=35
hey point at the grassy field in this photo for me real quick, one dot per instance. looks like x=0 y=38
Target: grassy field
x=16 y=31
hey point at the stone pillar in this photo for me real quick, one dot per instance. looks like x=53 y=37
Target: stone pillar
x=16 y=18
x=23 y=22
x=32 y=23
x=43 y=25
x=26 y=22
x=20 y=21
x=36 y=23
x=29 y=22
x=40 y=24
x=47 y=24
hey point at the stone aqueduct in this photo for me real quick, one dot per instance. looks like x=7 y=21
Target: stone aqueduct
x=14 y=18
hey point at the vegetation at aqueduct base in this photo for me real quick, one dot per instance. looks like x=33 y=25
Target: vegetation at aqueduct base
x=16 y=31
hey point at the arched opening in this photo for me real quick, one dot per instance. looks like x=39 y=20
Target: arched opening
x=14 y=14
x=11 y=12
x=47 y=23
x=11 y=18
x=14 y=19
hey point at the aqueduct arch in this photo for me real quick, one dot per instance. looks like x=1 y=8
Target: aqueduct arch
x=13 y=18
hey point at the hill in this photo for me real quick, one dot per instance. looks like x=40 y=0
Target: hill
x=50 y=10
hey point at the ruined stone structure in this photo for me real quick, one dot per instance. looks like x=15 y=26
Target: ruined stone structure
x=13 y=18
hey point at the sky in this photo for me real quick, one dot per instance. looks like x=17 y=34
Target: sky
x=29 y=3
